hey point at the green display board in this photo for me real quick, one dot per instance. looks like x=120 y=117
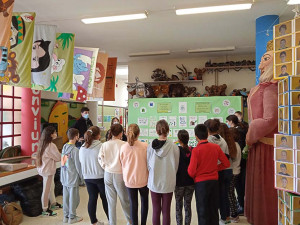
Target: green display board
x=180 y=113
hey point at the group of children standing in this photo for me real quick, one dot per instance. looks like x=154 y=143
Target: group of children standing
x=124 y=170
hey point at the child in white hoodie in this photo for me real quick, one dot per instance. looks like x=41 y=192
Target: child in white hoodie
x=47 y=156
x=109 y=159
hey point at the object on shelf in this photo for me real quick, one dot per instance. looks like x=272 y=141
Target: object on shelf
x=131 y=88
x=159 y=75
x=199 y=72
x=189 y=91
x=183 y=72
x=174 y=77
x=176 y=90
x=241 y=92
x=216 y=90
x=164 y=90
x=12 y=166
x=140 y=89
x=237 y=66
x=149 y=92
x=156 y=89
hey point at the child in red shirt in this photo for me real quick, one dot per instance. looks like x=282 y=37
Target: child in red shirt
x=204 y=169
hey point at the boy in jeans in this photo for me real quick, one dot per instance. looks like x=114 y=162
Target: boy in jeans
x=71 y=177
x=204 y=169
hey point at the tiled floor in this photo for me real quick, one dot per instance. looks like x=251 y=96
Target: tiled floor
x=82 y=211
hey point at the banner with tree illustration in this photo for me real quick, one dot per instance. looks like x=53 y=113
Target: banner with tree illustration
x=61 y=65
x=18 y=72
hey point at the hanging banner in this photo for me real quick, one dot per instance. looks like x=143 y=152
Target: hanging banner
x=61 y=65
x=6 y=8
x=18 y=70
x=110 y=82
x=93 y=68
x=100 y=75
x=42 y=49
x=31 y=126
x=81 y=74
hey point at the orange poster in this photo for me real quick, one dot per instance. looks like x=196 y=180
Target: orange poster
x=110 y=82
x=99 y=81
x=6 y=8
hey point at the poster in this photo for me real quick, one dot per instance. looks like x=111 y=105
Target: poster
x=143 y=121
x=143 y=132
x=109 y=93
x=152 y=133
x=152 y=121
x=164 y=107
x=172 y=121
x=202 y=119
x=203 y=107
x=18 y=72
x=182 y=107
x=42 y=49
x=193 y=121
x=163 y=118
x=182 y=121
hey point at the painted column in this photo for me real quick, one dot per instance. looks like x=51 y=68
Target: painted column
x=264 y=33
x=31 y=120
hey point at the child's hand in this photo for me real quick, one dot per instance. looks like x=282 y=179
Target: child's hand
x=245 y=152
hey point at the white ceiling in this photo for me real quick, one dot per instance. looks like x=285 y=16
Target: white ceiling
x=162 y=30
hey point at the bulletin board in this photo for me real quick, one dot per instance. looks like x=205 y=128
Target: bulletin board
x=180 y=113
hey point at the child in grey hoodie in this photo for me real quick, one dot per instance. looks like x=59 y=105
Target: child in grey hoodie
x=163 y=161
x=71 y=177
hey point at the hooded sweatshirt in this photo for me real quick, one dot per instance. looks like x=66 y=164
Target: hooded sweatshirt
x=109 y=156
x=162 y=161
x=217 y=139
x=70 y=172
x=183 y=178
x=88 y=158
x=134 y=164
x=50 y=157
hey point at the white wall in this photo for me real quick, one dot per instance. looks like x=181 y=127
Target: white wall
x=121 y=94
x=245 y=78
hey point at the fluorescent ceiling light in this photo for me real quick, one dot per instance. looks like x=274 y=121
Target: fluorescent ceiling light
x=167 y=52
x=115 y=18
x=199 y=50
x=220 y=8
x=293 y=2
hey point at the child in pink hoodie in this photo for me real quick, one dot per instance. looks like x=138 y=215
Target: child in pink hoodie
x=46 y=159
x=133 y=158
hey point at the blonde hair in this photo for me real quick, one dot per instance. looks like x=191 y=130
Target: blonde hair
x=133 y=133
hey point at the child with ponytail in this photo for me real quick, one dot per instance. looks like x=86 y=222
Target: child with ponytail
x=163 y=161
x=184 y=183
x=47 y=156
x=133 y=158
x=92 y=172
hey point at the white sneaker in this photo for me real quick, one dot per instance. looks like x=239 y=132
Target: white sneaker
x=76 y=219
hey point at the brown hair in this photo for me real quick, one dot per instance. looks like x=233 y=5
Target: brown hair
x=162 y=128
x=115 y=130
x=90 y=135
x=115 y=118
x=212 y=125
x=184 y=137
x=72 y=133
x=235 y=133
x=45 y=140
x=133 y=133
x=224 y=132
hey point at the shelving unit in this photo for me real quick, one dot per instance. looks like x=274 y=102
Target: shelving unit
x=169 y=82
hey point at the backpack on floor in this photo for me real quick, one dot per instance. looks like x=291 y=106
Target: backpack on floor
x=13 y=213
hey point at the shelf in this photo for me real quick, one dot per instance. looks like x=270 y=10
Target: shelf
x=230 y=67
x=170 y=82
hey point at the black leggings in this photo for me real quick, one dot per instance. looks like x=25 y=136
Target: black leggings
x=94 y=187
x=133 y=198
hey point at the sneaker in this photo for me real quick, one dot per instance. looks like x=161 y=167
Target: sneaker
x=222 y=222
x=75 y=219
x=235 y=219
x=48 y=212
x=56 y=206
x=66 y=219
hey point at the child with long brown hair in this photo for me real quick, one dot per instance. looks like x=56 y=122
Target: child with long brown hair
x=133 y=158
x=109 y=159
x=185 y=185
x=213 y=126
x=47 y=156
x=163 y=161
x=92 y=172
